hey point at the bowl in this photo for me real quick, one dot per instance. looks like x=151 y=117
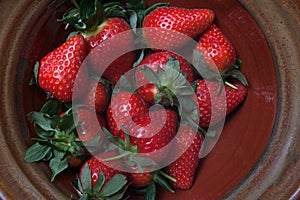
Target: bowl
x=258 y=153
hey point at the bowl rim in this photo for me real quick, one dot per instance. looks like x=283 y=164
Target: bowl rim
x=276 y=174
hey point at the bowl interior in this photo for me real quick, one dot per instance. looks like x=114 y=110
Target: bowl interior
x=246 y=132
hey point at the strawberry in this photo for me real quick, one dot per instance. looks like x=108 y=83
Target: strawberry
x=174 y=20
x=89 y=129
x=147 y=90
x=99 y=25
x=168 y=84
x=152 y=131
x=122 y=108
x=95 y=164
x=139 y=180
x=184 y=168
x=108 y=29
x=97 y=96
x=206 y=90
x=57 y=140
x=96 y=180
x=58 y=69
x=147 y=133
x=216 y=48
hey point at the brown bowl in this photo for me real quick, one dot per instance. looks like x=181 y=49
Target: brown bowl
x=258 y=154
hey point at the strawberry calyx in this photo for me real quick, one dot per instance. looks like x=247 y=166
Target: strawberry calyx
x=87 y=16
x=170 y=82
x=136 y=162
x=114 y=188
x=173 y=89
x=57 y=139
x=231 y=71
x=128 y=152
x=34 y=78
x=139 y=11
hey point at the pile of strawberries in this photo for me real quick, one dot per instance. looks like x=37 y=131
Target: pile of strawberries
x=119 y=107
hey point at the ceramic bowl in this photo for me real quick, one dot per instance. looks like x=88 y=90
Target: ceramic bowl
x=258 y=154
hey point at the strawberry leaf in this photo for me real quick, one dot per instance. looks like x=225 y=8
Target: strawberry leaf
x=57 y=165
x=99 y=183
x=79 y=186
x=126 y=84
x=202 y=68
x=150 y=74
x=72 y=34
x=72 y=17
x=43 y=134
x=150 y=191
x=113 y=185
x=36 y=153
x=172 y=64
x=88 y=8
x=50 y=107
x=76 y=184
x=162 y=182
x=138 y=7
x=116 y=11
x=48 y=156
x=211 y=133
x=45 y=142
x=86 y=179
x=45 y=121
x=239 y=63
x=133 y=19
x=93 y=144
x=66 y=123
x=85 y=197
x=140 y=59
x=154 y=6
x=114 y=139
x=238 y=75
x=34 y=78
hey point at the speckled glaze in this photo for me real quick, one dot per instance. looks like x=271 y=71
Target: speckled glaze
x=258 y=154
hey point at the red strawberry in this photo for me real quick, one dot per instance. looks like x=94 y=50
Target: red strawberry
x=74 y=161
x=95 y=164
x=184 y=168
x=190 y=22
x=216 y=48
x=152 y=131
x=123 y=107
x=58 y=69
x=109 y=37
x=89 y=129
x=97 y=96
x=97 y=179
x=147 y=90
x=207 y=92
x=138 y=180
x=111 y=28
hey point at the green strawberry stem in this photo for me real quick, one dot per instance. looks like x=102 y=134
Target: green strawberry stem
x=167 y=176
x=231 y=85
x=157 y=178
x=127 y=153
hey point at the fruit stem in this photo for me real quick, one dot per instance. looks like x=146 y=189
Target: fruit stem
x=231 y=85
x=118 y=157
x=167 y=176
